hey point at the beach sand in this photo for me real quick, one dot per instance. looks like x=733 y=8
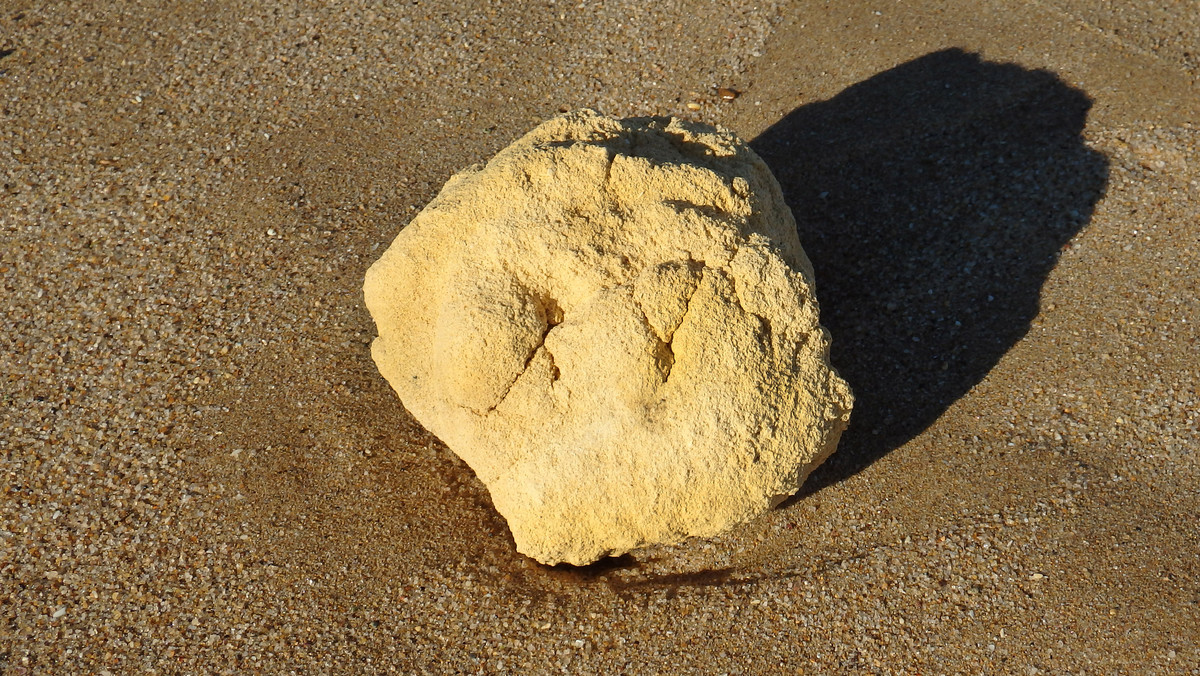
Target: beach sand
x=203 y=472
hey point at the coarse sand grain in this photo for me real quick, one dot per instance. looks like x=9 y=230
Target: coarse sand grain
x=202 y=472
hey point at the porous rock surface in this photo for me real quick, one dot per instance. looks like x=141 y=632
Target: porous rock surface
x=614 y=325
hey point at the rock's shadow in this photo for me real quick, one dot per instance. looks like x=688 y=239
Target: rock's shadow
x=933 y=200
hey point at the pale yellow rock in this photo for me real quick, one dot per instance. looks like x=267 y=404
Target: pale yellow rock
x=613 y=324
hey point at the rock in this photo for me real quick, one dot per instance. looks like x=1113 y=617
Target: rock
x=613 y=324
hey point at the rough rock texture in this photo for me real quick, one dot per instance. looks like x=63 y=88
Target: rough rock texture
x=613 y=324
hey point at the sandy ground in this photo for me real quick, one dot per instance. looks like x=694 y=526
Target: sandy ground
x=202 y=471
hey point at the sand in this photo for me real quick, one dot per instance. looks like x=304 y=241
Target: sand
x=203 y=472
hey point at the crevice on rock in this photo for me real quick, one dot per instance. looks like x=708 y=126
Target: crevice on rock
x=612 y=157
x=687 y=307
x=541 y=344
x=765 y=330
x=668 y=364
x=666 y=360
x=711 y=211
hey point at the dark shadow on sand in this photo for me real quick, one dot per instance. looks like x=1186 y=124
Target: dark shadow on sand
x=933 y=199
